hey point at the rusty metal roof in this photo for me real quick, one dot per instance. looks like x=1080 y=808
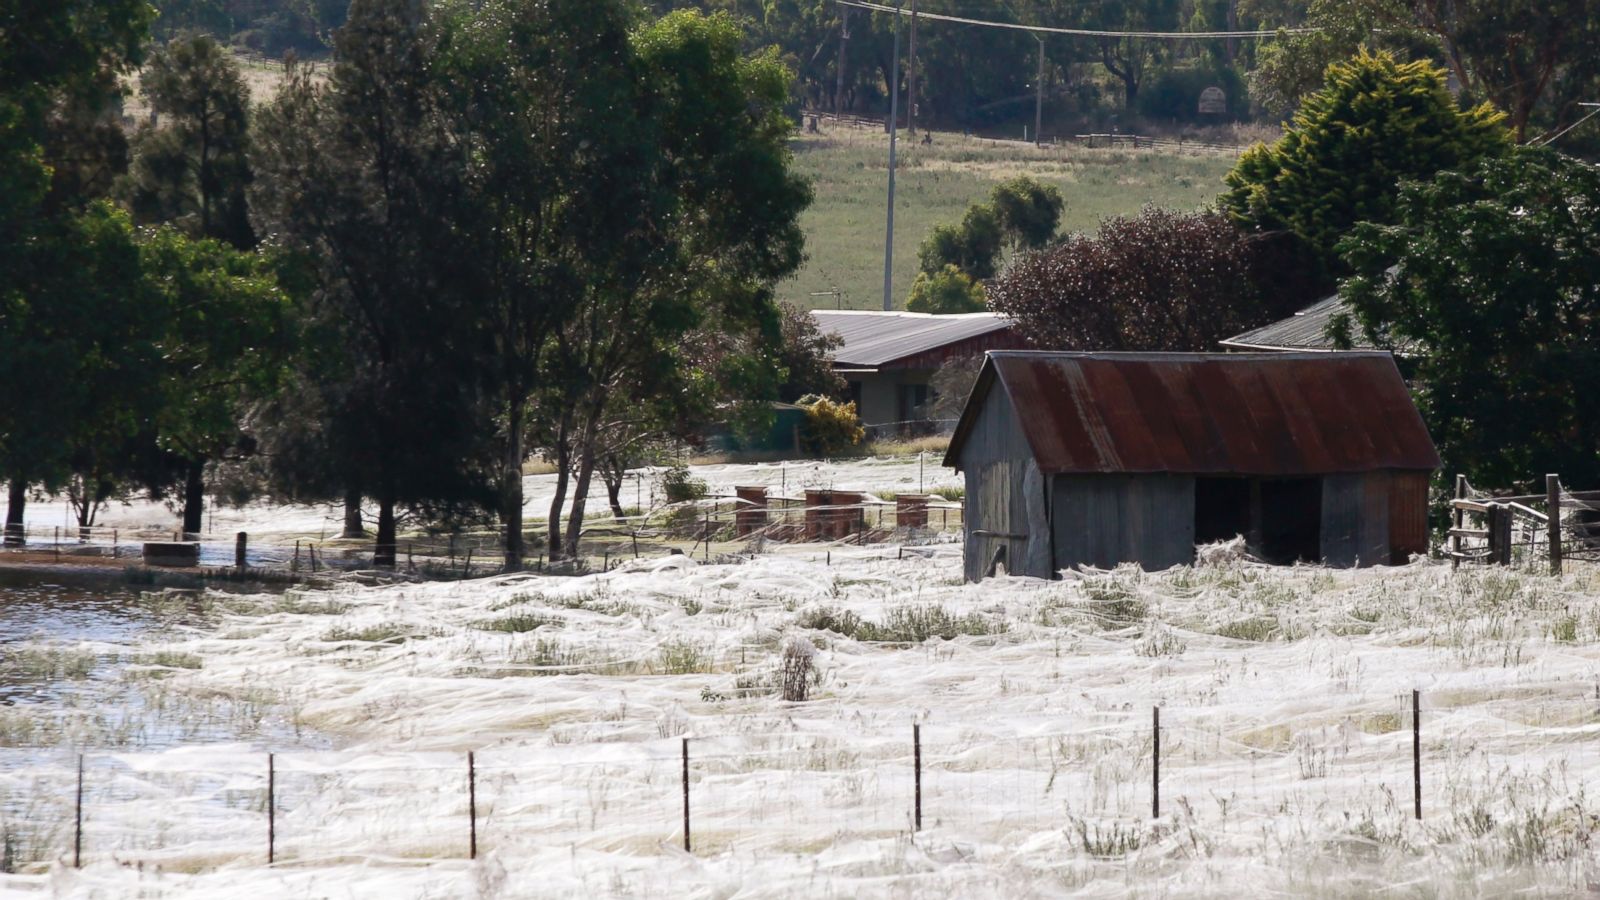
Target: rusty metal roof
x=1267 y=414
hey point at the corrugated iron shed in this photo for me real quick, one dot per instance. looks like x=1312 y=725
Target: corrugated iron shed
x=1263 y=414
x=875 y=340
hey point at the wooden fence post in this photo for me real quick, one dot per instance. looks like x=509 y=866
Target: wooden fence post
x=687 y=847
x=472 y=804
x=1155 y=763
x=1416 y=751
x=916 y=759
x=1458 y=520
x=272 y=813
x=1552 y=499
x=240 y=545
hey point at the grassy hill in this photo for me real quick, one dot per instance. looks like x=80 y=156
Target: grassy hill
x=935 y=184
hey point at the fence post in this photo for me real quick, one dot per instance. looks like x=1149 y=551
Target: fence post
x=1416 y=751
x=240 y=544
x=272 y=812
x=916 y=759
x=77 y=824
x=1552 y=499
x=1155 y=763
x=114 y=542
x=466 y=569
x=58 y=543
x=472 y=804
x=686 y=845
x=1458 y=520
x=295 y=566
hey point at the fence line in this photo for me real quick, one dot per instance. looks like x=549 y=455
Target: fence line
x=734 y=791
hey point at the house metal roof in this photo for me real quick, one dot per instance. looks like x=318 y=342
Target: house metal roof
x=1305 y=330
x=875 y=339
x=1262 y=414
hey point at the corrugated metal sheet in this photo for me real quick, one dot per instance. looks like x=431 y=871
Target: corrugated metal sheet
x=1266 y=414
x=877 y=339
x=1305 y=330
x=1408 y=515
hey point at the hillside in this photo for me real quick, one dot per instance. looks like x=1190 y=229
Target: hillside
x=935 y=184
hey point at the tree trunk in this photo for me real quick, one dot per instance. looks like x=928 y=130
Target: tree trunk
x=563 y=473
x=580 y=493
x=15 y=536
x=611 y=472
x=383 y=553
x=353 y=528
x=194 y=498
x=511 y=490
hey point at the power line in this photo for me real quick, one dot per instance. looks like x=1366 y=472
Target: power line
x=1078 y=32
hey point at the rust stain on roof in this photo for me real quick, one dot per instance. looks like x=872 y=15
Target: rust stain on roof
x=1277 y=414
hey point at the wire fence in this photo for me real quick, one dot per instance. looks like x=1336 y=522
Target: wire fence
x=1109 y=781
x=717 y=525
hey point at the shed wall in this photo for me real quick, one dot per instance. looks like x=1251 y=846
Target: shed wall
x=995 y=461
x=1408 y=515
x=1355 y=519
x=1103 y=520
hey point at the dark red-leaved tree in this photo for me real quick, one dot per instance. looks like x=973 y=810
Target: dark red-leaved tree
x=1160 y=280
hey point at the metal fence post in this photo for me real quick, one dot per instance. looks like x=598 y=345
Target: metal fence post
x=916 y=757
x=1416 y=751
x=687 y=847
x=1155 y=762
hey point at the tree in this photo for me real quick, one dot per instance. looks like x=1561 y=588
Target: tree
x=1029 y=211
x=972 y=247
x=192 y=168
x=1130 y=58
x=64 y=260
x=805 y=354
x=1494 y=299
x=223 y=344
x=563 y=214
x=1376 y=121
x=948 y=291
x=362 y=177
x=1021 y=214
x=1161 y=280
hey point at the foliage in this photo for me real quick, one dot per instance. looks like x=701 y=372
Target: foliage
x=1021 y=213
x=831 y=428
x=948 y=291
x=1375 y=122
x=952 y=385
x=191 y=169
x=806 y=355
x=681 y=487
x=1029 y=211
x=972 y=247
x=360 y=178
x=1495 y=299
x=1160 y=280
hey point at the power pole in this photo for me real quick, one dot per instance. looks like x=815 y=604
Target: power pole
x=894 y=129
x=844 y=46
x=911 y=77
x=1038 y=96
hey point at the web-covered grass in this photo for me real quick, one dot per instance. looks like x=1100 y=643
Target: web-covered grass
x=1285 y=700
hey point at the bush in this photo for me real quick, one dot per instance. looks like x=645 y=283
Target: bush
x=830 y=428
x=949 y=291
x=680 y=486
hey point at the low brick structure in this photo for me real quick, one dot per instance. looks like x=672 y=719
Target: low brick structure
x=911 y=511
x=751 y=514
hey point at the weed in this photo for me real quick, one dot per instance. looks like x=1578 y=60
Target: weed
x=517 y=623
x=381 y=633
x=684 y=658
x=1256 y=628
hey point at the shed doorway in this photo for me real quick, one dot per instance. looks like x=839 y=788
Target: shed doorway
x=1221 y=509
x=1291 y=520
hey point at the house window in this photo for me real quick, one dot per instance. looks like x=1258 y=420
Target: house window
x=913 y=402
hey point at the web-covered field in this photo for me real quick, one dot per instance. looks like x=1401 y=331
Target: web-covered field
x=1285 y=700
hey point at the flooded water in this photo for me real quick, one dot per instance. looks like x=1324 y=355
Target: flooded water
x=75 y=669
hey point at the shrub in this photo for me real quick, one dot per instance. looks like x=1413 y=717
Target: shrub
x=797 y=671
x=948 y=291
x=680 y=486
x=830 y=428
